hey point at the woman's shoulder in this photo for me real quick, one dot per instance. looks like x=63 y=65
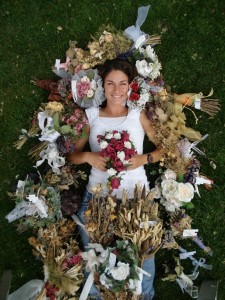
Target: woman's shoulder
x=92 y=113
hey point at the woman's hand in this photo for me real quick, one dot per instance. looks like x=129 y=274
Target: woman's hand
x=96 y=160
x=137 y=161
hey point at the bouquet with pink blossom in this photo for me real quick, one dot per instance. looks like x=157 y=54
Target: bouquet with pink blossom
x=117 y=148
x=87 y=88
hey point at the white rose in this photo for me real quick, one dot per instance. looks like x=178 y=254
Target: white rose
x=169 y=175
x=156 y=192
x=109 y=136
x=185 y=192
x=169 y=187
x=121 y=272
x=85 y=79
x=90 y=93
x=144 y=69
x=117 y=136
x=111 y=172
x=156 y=67
x=121 y=155
x=93 y=84
x=103 y=144
x=127 y=145
x=143 y=98
x=150 y=53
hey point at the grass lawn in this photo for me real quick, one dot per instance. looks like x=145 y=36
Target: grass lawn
x=192 y=53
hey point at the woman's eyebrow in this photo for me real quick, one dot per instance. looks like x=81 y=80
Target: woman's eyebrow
x=113 y=80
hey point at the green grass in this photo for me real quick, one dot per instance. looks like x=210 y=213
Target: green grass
x=193 y=58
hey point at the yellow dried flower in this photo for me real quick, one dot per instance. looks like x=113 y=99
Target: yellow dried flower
x=55 y=106
x=113 y=217
x=88 y=212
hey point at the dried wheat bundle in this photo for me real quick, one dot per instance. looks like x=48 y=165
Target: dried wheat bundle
x=138 y=222
x=101 y=218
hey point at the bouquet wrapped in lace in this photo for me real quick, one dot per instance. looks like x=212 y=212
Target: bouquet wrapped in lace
x=87 y=88
x=117 y=148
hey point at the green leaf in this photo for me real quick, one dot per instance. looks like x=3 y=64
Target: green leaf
x=56 y=121
x=188 y=205
x=65 y=129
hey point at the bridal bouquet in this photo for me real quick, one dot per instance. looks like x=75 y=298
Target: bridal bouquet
x=37 y=204
x=87 y=88
x=117 y=148
x=138 y=94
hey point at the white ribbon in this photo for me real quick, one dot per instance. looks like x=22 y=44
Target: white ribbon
x=186 y=255
x=28 y=291
x=24 y=208
x=134 y=32
x=40 y=207
x=78 y=222
x=92 y=262
x=46 y=125
x=74 y=89
x=51 y=154
x=60 y=72
x=190 y=232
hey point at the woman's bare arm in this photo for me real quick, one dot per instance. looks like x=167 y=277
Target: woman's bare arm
x=92 y=158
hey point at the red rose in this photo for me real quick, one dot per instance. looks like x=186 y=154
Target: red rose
x=134 y=86
x=129 y=153
x=134 y=96
x=119 y=145
x=118 y=165
x=110 y=152
x=115 y=183
x=125 y=136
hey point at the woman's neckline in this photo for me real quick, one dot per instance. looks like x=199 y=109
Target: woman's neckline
x=104 y=115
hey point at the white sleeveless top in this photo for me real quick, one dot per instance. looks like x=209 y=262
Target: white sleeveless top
x=130 y=123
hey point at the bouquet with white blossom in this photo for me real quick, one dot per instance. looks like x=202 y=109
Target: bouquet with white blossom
x=117 y=148
x=148 y=65
x=139 y=93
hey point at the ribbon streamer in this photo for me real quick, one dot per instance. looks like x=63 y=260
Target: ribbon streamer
x=134 y=32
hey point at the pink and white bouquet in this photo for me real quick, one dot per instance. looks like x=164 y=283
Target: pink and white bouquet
x=87 y=88
x=138 y=94
x=117 y=148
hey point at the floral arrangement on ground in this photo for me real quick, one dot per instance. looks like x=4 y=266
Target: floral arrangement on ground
x=121 y=236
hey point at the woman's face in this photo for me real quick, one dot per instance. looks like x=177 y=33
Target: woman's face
x=116 y=86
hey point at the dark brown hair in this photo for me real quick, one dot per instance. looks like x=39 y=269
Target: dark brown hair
x=117 y=64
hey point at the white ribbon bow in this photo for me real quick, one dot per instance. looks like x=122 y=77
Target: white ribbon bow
x=46 y=125
x=51 y=154
x=92 y=262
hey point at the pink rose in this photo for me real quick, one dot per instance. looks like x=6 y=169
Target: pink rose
x=82 y=88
